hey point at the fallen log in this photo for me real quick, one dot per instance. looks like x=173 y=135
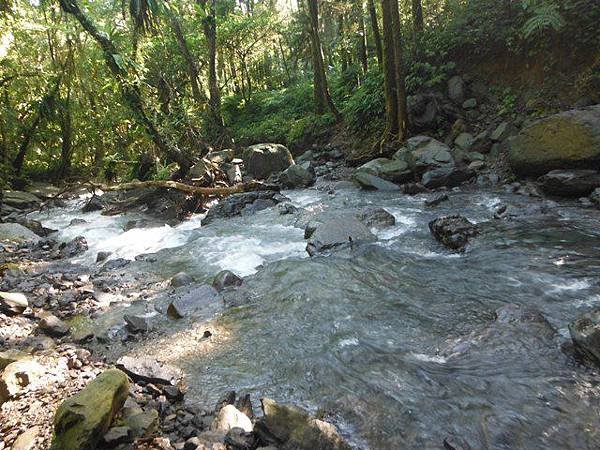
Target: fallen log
x=196 y=190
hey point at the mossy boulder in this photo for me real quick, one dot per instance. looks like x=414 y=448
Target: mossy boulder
x=263 y=160
x=82 y=420
x=569 y=140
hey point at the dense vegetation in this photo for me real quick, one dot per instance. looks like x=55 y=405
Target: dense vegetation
x=88 y=87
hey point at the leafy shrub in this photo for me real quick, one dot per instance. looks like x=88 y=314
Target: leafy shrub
x=364 y=110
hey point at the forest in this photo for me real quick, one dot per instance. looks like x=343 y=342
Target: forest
x=299 y=224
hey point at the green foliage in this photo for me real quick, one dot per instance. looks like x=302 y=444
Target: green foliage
x=364 y=109
x=544 y=16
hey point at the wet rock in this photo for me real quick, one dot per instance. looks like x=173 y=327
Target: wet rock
x=230 y=417
x=187 y=303
x=35 y=226
x=394 y=170
x=114 y=264
x=163 y=204
x=17 y=376
x=464 y=141
x=288 y=427
x=286 y=208
x=477 y=165
x=82 y=420
x=148 y=370
x=470 y=103
x=456 y=89
x=225 y=279
x=343 y=231
x=298 y=176
x=436 y=199
x=143 y=423
x=173 y=393
x=137 y=324
x=263 y=160
x=570 y=183
x=73 y=248
x=424 y=153
x=244 y=203
x=413 y=188
x=244 y=404
x=53 y=326
x=369 y=181
x=93 y=204
x=13 y=303
x=585 y=333
x=181 y=279
x=595 y=197
x=238 y=439
x=446 y=176
x=77 y=221
x=118 y=435
x=376 y=217
x=453 y=231
x=27 y=440
x=15 y=232
x=102 y=256
x=21 y=200
x=227 y=398
x=569 y=140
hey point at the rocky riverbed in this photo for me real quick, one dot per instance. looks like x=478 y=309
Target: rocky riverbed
x=443 y=306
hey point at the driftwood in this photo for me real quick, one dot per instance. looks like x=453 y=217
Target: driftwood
x=196 y=190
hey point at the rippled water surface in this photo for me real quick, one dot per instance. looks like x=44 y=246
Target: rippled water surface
x=396 y=340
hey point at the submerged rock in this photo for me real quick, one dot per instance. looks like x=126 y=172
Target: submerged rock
x=376 y=217
x=453 y=231
x=298 y=175
x=585 y=333
x=263 y=160
x=148 y=370
x=339 y=232
x=93 y=204
x=570 y=183
x=243 y=204
x=225 y=279
x=436 y=199
x=82 y=420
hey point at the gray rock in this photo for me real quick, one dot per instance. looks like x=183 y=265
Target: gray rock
x=73 y=248
x=307 y=156
x=234 y=174
x=238 y=439
x=181 y=279
x=17 y=376
x=15 y=232
x=394 y=170
x=376 y=217
x=93 y=204
x=102 y=256
x=230 y=417
x=148 y=370
x=137 y=324
x=453 y=231
x=595 y=197
x=188 y=303
x=244 y=203
x=436 y=199
x=470 y=103
x=503 y=132
x=263 y=160
x=286 y=208
x=225 y=279
x=13 y=303
x=143 y=423
x=422 y=110
x=369 y=181
x=585 y=333
x=20 y=200
x=342 y=231
x=221 y=156
x=425 y=153
x=570 y=183
x=77 y=221
x=456 y=89
x=477 y=165
x=298 y=176
x=464 y=141
x=446 y=176
x=118 y=435
x=53 y=326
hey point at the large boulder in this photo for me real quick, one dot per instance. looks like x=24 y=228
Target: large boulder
x=263 y=160
x=148 y=370
x=188 y=303
x=20 y=199
x=569 y=140
x=288 y=427
x=15 y=232
x=342 y=231
x=298 y=176
x=243 y=204
x=423 y=153
x=456 y=89
x=394 y=170
x=422 y=110
x=585 y=333
x=570 y=183
x=453 y=231
x=82 y=420
x=369 y=181
x=446 y=176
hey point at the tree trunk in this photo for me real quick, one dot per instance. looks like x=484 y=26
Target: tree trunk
x=417 y=15
x=130 y=92
x=402 y=114
x=219 y=191
x=375 y=30
x=209 y=25
x=66 y=129
x=323 y=102
x=361 y=37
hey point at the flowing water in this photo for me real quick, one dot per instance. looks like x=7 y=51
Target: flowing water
x=397 y=340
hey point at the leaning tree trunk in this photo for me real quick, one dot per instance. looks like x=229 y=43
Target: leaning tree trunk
x=130 y=92
x=66 y=128
x=375 y=30
x=323 y=102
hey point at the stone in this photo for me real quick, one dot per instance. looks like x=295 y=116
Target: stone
x=207 y=440
x=230 y=417
x=102 y=256
x=221 y=156
x=413 y=188
x=225 y=279
x=143 y=423
x=436 y=199
x=376 y=217
x=470 y=103
x=234 y=174
x=53 y=326
x=289 y=427
x=394 y=170
x=227 y=398
x=238 y=439
x=118 y=435
x=456 y=89
x=82 y=420
x=464 y=141
x=27 y=439
x=77 y=221
x=73 y=248
x=477 y=165
x=570 y=183
x=148 y=370
x=10 y=356
x=595 y=197
x=263 y=160
x=188 y=303
x=569 y=140
x=446 y=176
x=93 y=204
x=35 y=226
x=308 y=155
x=453 y=231
x=298 y=176
x=286 y=208
x=137 y=324
x=473 y=156
x=243 y=204
x=585 y=333
x=369 y=181
x=343 y=231
x=244 y=405
x=425 y=153
x=503 y=132
x=201 y=169
x=181 y=279
x=422 y=110
x=15 y=232
x=21 y=200
x=17 y=376
x=13 y=303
